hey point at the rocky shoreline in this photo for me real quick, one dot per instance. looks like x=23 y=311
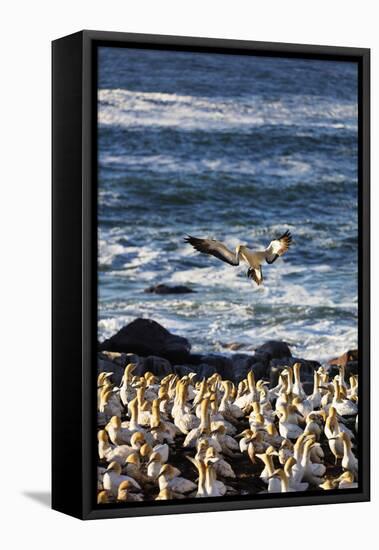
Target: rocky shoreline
x=153 y=389
x=154 y=349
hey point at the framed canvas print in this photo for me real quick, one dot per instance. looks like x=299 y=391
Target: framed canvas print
x=210 y=275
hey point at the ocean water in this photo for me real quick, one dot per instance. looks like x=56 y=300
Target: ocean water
x=239 y=149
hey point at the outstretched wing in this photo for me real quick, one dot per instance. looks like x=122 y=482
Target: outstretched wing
x=255 y=274
x=214 y=248
x=278 y=247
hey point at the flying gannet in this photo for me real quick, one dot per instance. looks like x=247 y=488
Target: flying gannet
x=254 y=258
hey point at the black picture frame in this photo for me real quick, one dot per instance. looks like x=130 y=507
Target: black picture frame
x=74 y=271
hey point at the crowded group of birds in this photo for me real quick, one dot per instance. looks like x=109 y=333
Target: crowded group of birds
x=150 y=430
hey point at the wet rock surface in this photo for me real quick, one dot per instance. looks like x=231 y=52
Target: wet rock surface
x=267 y=363
x=155 y=349
x=275 y=349
x=167 y=289
x=147 y=337
x=348 y=360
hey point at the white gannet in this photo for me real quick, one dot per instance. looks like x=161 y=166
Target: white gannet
x=284 y=389
x=293 y=481
x=113 y=478
x=154 y=465
x=117 y=434
x=217 y=418
x=161 y=430
x=283 y=477
x=168 y=494
x=287 y=428
x=104 y=497
x=343 y=406
x=213 y=487
x=118 y=453
x=103 y=381
x=229 y=410
x=332 y=429
x=199 y=464
x=110 y=404
x=313 y=424
x=286 y=450
x=268 y=470
x=315 y=398
x=352 y=392
x=349 y=460
x=254 y=258
x=169 y=476
x=257 y=419
x=346 y=481
x=183 y=419
x=133 y=469
x=127 y=391
x=203 y=430
x=125 y=493
x=297 y=388
x=222 y=467
x=312 y=472
x=329 y=484
x=245 y=436
x=246 y=399
x=132 y=425
x=144 y=406
x=227 y=443
x=303 y=406
x=257 y=444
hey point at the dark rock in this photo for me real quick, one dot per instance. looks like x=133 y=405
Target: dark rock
x=194 y=359
x=233 y=368
x=157 y=365
x=351 y=368
x=242 y=364
x=204 y=371
x=308 y=387
x=349 y=360
x=183 y=370
x=274 y=372
x=147 y=337
x=306 y=372
x=165 y=289
x=222 y=364
x=260 y=371
x=275 y=348
x=113 y=355
x=130 y=358
x=233 y=346
x=105 y=365
x=262 y=357
x=342 y=360
x=308 y=367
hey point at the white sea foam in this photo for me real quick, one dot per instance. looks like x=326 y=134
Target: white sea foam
x=279 y=166
x=126 y=108
x=108 y=251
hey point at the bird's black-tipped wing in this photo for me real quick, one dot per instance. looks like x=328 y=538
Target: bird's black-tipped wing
x=214 y=248
x=278 y=247
x=255 y=274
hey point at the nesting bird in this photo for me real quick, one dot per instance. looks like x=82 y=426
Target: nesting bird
x=239 y=439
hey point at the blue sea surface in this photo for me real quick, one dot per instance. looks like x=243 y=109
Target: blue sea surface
x=238 y=148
